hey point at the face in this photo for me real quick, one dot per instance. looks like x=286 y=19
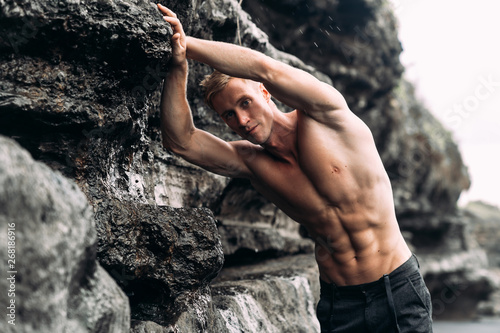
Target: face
x=244 y=106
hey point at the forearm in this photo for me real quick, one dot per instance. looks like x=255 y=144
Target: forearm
x=227 y=58
x=176 y=119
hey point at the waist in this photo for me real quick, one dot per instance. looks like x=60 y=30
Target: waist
x=398 y=274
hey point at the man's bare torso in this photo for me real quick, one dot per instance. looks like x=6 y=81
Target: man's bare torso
x=337 y=188
x=322 y=169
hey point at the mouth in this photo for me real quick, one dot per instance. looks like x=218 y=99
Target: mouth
x=251 y=130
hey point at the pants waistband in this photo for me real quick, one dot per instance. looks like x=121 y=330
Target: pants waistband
x=411 y=265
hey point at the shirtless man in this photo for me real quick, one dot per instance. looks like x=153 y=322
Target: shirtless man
x=318 y=163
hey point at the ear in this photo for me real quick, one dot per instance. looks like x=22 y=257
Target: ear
x=265 y=93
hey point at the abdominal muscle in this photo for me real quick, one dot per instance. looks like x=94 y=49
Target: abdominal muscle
x=355 y=243
x=357 y=237
x=343 y=263
x=358 y=241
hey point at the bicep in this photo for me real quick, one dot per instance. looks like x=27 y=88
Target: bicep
x=215 y=155
x=299 y=89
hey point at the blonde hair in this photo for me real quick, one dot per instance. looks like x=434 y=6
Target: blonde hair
x=213 y=84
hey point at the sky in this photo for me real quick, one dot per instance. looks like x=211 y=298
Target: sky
x=452 y=56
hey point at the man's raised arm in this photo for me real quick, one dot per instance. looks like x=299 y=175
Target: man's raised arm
x=178 y=131
x=292 y=86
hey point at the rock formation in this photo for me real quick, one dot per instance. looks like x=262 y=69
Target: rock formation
x=54 y=281
x=80 y=84
x=485 y=228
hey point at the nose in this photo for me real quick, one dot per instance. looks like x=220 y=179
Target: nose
x=243 y=118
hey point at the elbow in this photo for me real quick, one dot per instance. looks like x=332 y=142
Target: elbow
x=168 y=146
x=264 y=68
x=176 y=149
x=178 y=146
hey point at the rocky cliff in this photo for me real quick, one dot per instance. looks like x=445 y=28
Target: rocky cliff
x=80 y=83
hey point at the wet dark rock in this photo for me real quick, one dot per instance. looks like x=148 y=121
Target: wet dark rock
x=162 y=257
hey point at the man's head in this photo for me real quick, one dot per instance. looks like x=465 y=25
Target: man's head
x=212 y=84
x=244 y=105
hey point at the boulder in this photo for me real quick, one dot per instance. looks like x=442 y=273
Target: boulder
x=162 y=257
x=56 y=283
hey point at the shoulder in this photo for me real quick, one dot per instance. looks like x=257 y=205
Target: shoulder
x=246 y=150
x=334 y=118
x=342 y=123
x=249 y=154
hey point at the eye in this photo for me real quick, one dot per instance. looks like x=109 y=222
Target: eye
x=245 y=103
x=228 y=115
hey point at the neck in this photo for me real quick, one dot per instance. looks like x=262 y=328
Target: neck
x=282 y=142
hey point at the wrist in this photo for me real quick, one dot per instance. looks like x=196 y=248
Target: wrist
x=178 y=67
x=190 y=46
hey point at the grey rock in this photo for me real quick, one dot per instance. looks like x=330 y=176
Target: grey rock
x=149 y=326
x=59 y=285
x=485 y=228
x=102 y=307
x=277 y=295
x=459 y=283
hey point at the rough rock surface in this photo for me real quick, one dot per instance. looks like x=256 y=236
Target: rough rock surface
x=278 y=295
x=79 y=89
x=58 y=285
x=163 y=257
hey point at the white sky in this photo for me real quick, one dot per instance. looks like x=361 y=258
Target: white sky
x=452 y=55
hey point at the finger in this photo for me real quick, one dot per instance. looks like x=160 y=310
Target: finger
x=166 y=11
x=174 y=22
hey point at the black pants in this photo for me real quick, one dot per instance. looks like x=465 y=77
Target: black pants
x=398 y=302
